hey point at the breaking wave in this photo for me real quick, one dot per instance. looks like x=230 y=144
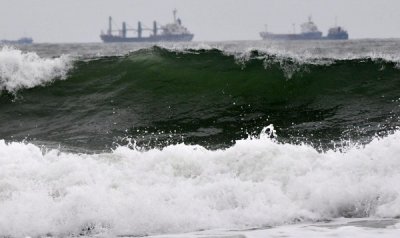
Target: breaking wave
x=255 y=183
x=19 y=70
x=206 y=97
x=168 y=140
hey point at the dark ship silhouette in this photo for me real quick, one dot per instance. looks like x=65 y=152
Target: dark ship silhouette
x=174 y=31
x=309 y=31
x=23 y=40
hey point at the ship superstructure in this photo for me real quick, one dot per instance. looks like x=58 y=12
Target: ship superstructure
x=309 y=31
x=337 y=33
x=174 y=31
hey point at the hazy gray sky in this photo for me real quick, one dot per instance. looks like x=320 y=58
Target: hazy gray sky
x=209 y=20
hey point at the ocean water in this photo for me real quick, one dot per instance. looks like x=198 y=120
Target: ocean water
x=211 y=139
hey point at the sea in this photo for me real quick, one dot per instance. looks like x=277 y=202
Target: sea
x=236 y=139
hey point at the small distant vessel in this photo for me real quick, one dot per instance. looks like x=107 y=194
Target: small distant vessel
x=170 y=32
x=309 y=31
x=23 y=40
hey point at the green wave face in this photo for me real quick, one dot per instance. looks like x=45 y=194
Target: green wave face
x=158 y=97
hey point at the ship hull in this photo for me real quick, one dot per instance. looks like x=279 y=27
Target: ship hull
x=21 y=41
x=316 y=36
x=343 y=36
x=307 y=36
x=157 y=38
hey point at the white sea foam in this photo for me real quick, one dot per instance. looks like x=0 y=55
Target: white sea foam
x=26 y=70
x=317 y=53
x=344 y=228
x=295 y=57
x=181 y=188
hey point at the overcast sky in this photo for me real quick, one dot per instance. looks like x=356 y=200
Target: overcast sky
x=209 y=20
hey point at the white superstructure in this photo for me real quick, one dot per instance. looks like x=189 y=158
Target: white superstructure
x=309 y=27
x=175 y=28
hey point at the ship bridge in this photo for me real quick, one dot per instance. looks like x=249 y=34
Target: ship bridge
x=309 y=27
x=176 y=27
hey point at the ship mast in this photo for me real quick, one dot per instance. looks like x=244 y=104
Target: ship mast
x=123 y=29
x=109 y=25
x=155 y=28
x=175 y=11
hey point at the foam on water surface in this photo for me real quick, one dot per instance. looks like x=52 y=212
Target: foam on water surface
x=181 y=188
x=363 y=228
x=256 y=187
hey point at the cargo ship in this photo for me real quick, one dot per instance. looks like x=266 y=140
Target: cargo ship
x=172 y=32
x=309 y=31
x=23 y=40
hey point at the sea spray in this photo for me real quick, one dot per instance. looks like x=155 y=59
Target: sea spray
x=195 y=158
x=203 y=97
x=255 y=183
x=20 y=70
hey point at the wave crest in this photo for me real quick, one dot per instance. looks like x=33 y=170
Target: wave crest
x=20 y=70
x=255 y=183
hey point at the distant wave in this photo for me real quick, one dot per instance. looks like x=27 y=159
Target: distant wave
x=21 y=70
